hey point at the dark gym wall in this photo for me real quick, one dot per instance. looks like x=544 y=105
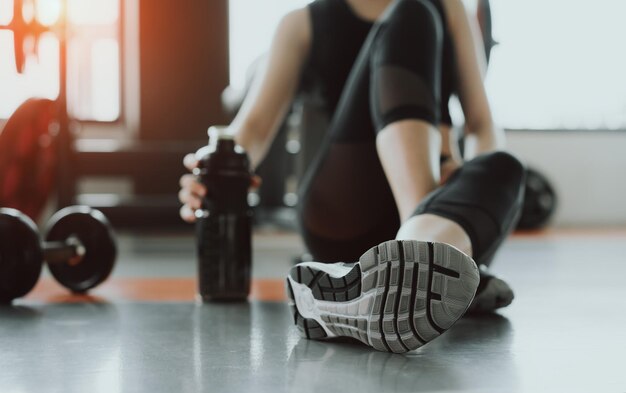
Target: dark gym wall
x=184 y=67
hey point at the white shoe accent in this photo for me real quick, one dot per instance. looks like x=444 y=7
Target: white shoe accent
x=335 y=270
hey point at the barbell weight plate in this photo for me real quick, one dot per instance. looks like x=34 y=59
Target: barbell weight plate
x=94 y=231
x=28 y=157
x=21 y=256
x=539 y=201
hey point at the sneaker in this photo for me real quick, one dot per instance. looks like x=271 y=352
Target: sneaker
x=396 y=298
x=492 y=293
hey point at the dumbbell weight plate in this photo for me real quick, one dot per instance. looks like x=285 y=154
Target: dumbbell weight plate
x=20 y=254
x=540 y=201
x=92 y=228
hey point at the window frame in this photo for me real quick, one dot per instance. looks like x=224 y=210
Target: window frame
x=117 y=128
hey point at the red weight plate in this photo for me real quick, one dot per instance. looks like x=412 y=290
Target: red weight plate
x=28 y=157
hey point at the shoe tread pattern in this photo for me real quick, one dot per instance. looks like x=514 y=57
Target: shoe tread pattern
x=420 y=288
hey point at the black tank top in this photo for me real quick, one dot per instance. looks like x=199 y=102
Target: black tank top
x=338 y=34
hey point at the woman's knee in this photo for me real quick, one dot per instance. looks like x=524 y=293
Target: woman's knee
x=409 y=10
x=406 y=64
x=505 y=166
x=410 y=30
x=506 y=162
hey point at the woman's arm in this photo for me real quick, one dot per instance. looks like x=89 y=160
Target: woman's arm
x=264 y=106
x=272 y=91
x=481 y=133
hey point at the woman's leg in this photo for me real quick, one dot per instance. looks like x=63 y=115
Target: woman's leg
x=401 y=294
x=484 y=198
x=478 y=207
x=476 y=210
x=346 y=204
x=412 y=178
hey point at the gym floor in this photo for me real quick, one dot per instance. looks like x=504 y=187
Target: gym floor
x=143 y=331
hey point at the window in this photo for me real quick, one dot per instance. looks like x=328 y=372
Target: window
x=561 y=64
x=94 y=81
x=252 y=26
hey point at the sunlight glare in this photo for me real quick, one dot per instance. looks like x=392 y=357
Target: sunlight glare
x=6 y=12
x=93 y=12
x=48 y=11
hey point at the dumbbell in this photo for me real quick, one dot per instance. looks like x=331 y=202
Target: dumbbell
x=540 y=201
x=79 y=248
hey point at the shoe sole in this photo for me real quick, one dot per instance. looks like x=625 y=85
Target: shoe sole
x=399 y=296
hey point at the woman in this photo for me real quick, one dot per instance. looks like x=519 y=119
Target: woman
x=388 y=169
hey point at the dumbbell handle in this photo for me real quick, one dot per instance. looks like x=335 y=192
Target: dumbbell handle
x=70 y=251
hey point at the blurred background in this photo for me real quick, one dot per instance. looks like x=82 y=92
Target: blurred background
x=145 y=79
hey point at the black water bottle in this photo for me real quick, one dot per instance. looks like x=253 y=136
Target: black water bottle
x=224 y=222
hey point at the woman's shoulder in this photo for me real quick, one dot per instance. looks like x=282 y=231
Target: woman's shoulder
x=295 y=27
x=327 y=8
x=296 y=20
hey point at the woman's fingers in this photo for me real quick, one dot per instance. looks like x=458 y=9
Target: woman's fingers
x=255 y=181
x=190 y=161
x=447 y=169
x=191 y=183
x=188 y=198
x=191 y=191
x=187 y=213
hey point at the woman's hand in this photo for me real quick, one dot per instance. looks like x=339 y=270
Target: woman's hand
x=448 y=167
x=192 y=191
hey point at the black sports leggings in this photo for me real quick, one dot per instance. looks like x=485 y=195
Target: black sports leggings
x=346 y=205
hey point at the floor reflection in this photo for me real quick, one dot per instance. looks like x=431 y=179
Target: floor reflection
x=43 y=344
x=448 y=363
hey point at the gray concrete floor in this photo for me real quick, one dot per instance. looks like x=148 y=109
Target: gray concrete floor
x=565 y=332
